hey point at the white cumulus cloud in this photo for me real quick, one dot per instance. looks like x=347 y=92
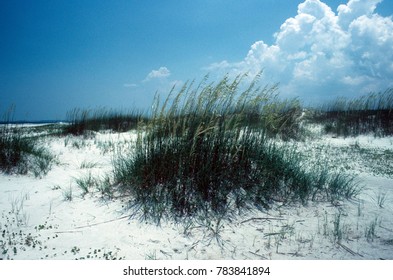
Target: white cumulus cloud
x=354 y=9
x=322 y=52
x=162 y=72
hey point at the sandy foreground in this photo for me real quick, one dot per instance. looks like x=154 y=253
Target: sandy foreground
x=49 y=218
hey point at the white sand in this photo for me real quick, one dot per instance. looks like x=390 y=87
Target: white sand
x=40 y=224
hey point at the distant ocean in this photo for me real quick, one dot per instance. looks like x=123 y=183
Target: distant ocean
x=36 y=122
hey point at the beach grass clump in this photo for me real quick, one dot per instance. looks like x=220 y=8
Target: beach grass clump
x=282 y=118
x=86 y=183
x=21 y=153
x=84 y=120
x=197 y=155
x=371 y=113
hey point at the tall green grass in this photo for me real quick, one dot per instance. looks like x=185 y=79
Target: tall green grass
x=208 y=149
x=282 y=118
x=21 y=153
x=83 y=120
x=371 y=113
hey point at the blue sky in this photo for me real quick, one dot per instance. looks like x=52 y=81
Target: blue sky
x=58 y=55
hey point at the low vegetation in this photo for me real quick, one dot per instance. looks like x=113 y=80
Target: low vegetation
x=84 y=120
x=372 y=113
x=21 y=153
x=209 y=149
x=213 y=148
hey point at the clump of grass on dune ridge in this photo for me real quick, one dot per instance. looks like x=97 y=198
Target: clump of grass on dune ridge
x=21 y=153
x=372 y=113
x=82 y=120
x=282 y=118
x=207 y=149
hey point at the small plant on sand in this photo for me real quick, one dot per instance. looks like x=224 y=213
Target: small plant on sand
x=337 y=228
x=342 y=185
x=88 y=164
x=381 y=199
x=67 y=194
x=86 y=183
x=370 y=232
x=104 y=186
x=151 y=255
x=17 y=209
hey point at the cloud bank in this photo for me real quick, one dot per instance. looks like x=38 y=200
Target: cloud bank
x=322 y=53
